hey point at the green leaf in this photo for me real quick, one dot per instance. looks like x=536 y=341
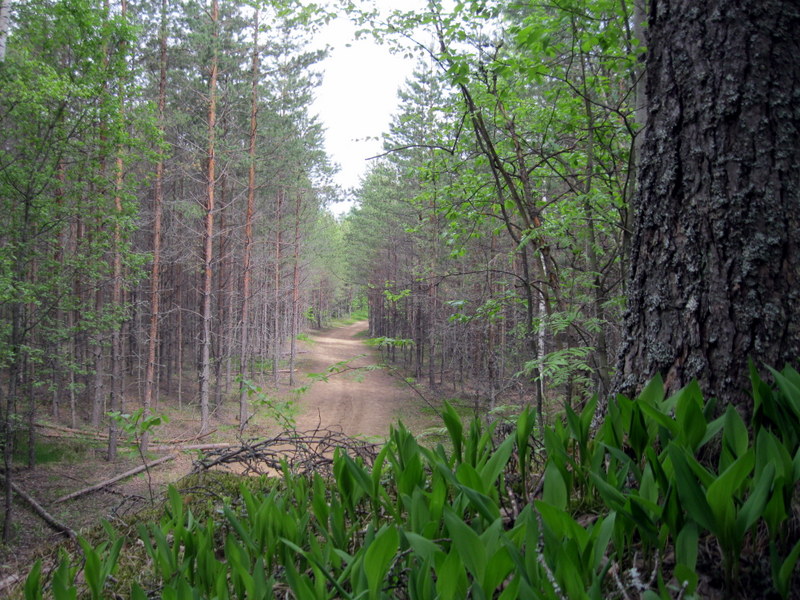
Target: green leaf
x=555 y=489
x=686 y=545
x=689 y=491
x=786 y=571
x=659 y=417
x=33 y=588
x=451 y=580
x=753 y=508
x=611 y=495
x=467 y=543
x=422 y=546
x=689 y=415
x=452 y=421
x=790 y=390
x=379 y=556
x=495 y=465
x=734 y=437
x=686 y=575
x=653 y=392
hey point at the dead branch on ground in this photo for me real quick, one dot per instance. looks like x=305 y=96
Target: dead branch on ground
x=303 y=452
x=121 y=476
x=46 y=516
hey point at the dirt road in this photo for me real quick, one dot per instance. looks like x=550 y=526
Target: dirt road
x=360 y=402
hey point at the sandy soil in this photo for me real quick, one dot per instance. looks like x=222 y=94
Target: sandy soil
x=359 y=401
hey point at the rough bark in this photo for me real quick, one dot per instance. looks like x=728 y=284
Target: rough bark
x=715 y=259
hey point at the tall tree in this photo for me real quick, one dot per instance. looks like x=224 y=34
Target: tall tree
x=248 y=224
x=208 y=229
x=55 y=96
x=716 y=250
x=158 y=210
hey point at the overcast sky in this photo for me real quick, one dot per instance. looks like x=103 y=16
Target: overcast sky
x=358 y=96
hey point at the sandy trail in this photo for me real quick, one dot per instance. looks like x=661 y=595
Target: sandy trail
x=360 y=402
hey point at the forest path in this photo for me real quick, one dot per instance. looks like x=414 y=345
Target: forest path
x=358 y=401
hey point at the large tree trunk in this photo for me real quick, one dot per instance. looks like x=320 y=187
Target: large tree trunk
x=716 y=256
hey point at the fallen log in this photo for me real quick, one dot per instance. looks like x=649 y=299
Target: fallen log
x=120 y=477
x=46 y=516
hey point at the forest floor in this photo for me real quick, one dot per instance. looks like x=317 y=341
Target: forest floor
x=358 y=399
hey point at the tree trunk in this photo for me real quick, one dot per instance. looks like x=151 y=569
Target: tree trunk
x=5 y=13
x=295 y=319
x=155 y=269
x=116 y=292
x=276 y=330
x=248 y=228
x=208 y=233
x=716 y=249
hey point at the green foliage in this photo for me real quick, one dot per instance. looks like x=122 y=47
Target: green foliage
x=422 y=523
x=136 y=425
x=280 y=411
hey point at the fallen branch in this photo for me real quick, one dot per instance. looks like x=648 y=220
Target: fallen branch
x=125 y=475
x=303 y=452
x=195 y=447
x=75 y=432
x=46 y=516
x=182 y=440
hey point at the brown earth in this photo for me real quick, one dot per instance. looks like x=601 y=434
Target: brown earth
x=358 y=400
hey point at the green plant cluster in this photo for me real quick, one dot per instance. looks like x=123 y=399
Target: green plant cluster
x=637 y=508
x=664 y=478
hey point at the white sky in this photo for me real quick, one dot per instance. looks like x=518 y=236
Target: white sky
x=358 y=96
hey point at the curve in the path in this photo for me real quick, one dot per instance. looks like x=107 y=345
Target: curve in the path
x=359 y=402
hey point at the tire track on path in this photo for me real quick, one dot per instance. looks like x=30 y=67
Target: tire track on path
x=360 y=403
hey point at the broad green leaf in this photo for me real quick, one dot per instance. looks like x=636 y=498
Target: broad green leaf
x=33 y=588
x=689 y=415
x=734 y=436
x=664 y=420
x=452 y=421
x=786 y=571
x=467 y=543
x=555 y=489
x=790 y=390
x=653 y=392
x=422 y=546
x=686 y=545
x=451 y=580
x=723 y=491
x=753 y=508
x=379 y=556
x=495 y=465
x=611 y=495
x=689 y=490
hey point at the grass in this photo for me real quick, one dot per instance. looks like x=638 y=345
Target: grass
x=47 y=451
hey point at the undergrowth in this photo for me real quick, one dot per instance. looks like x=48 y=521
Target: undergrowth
x=633 y=509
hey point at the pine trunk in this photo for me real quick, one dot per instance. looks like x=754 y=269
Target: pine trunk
x=155 y=269
x=248 y=227
x=716 y=257
x=208 y=233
